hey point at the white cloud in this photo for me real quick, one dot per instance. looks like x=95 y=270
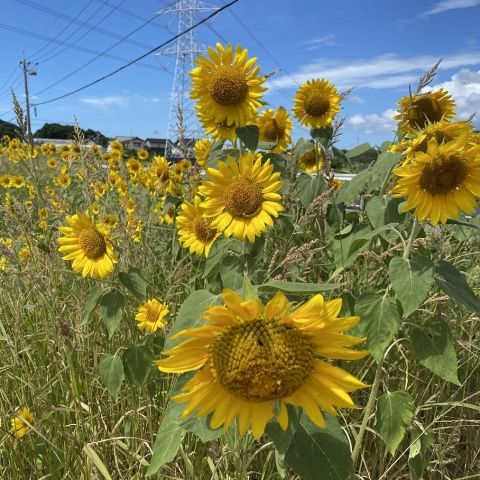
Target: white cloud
x=316 y=43
x=355 y=99
x=372 y=122
x=464 y=86
x=385 y=71
x=447 y=5
x=118 y=100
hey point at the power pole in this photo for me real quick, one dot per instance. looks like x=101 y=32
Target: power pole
x=29 y=68
x=184 y=51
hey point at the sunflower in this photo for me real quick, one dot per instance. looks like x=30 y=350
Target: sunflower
x=20 y=423
x=142 y=154
x=194 y=230
x=227 y=85
x=251 y=356
x=218 y=130
x=133 y=166
x=202 y=150
x=418 y=110
x=87 y=245
x=312 y=161
x=440 y=182
x=17 y=182
x=151 y=316
x=242 y=196
x=5 y=181
x=275 y=127
x=52 y=162
x=316 y=103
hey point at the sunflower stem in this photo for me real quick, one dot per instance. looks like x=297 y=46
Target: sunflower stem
x=368 y=410
x=413 y=236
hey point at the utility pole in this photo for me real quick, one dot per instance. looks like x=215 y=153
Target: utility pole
x=29 y=68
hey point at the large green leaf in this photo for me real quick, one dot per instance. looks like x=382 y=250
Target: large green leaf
x=111 y=373
x=358 y=150
x=295 y=288
x=169 y=438
x=215 y=154
x=231 y=272
x=137 y=363
x=135 y=283
x=380 y=321
x=320 y=452
x=91 y=303
x=249 y=135
x=433 y=347
x=384 y=163
x=352 y=189
x=111 y=309
x=322 y=135
x=215 y=257
x=309 y=187
x=393 y=416
x=411 y=280
x=190 y=312
x=453 y=283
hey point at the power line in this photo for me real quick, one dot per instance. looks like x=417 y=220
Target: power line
x=141 y=57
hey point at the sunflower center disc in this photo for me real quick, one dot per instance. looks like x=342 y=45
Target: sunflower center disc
x=92 y=243
x=202 y=230
x=261 y=360
x=151 y=315
x=443 y=175
x=228 y=86
x=424 y=109
x=272 y=131
x=243 y=197
x=316 y=105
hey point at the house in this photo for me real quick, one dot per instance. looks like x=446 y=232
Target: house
x=131 y=143
x=156 y=145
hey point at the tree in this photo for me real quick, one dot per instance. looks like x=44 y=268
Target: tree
x=66 y=132
x=7 y=128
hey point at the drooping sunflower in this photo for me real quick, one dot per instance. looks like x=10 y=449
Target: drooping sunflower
x=312 y=161
x=275 y=127
x=202 y=150
x=241 y=197
x=418 y=110
x=87 y=245
x=227 y=84
x=441 y=182
x=19 y=424
x=316 y=103
x=151 y=316
x=250 y=356
x=194 y=231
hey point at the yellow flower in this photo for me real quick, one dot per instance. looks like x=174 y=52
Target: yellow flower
x=335 y=184
x=142 y=154
x=17 y=182
x=218 y=130
x=5 y=181
x=20 y=423
x=312 y=161
x=24 y=253
x=275 y=127
x=316 y=103
x=151 y=316
x=130 y=206
x=169 y=217
x=133 y=166
x=250 y=356
x=52 y=162
x=242 y=196
x=110 y=220
x=440 y=182
x=202 y=150
x=95 y=208
x=227 y=85
x=43 y=225
x=87 y=246
x=116 y=145
x=418 y=110
x=194 y=230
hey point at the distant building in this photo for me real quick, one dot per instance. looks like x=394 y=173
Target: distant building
x=156 y=145
x=131 y=143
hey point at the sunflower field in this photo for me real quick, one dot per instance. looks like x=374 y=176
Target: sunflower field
x=244 y=314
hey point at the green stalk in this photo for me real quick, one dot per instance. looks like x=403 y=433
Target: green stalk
x=413 y=236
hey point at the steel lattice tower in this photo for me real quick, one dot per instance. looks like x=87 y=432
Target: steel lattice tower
x=184 y=51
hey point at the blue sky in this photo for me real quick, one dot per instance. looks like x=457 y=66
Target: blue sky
x=377 y=46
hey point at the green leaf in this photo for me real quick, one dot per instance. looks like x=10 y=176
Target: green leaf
x=135 y=283
x=231 y=272
x=91 y=303
x=303 y=146
x=137 y=363
x=190 y=312
x=326 y=450
x=111 y=373
x=352 y=189
x=295 y=288
x=200 y=427
x=309 y=187
x=248 y=290
x=93 y=455
x=169 y=438
x=383 y=211
x=393 y=416
x=218 y=251
x=283 y=439
x=266 y=145
x=433 y=347
x=249 y=135
x=384 y=163
x=215 y=154
x=453 y=283
x=411 y=281
x=358 y=150
x=322 y=135
x=111 y=310
x=380 y=321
